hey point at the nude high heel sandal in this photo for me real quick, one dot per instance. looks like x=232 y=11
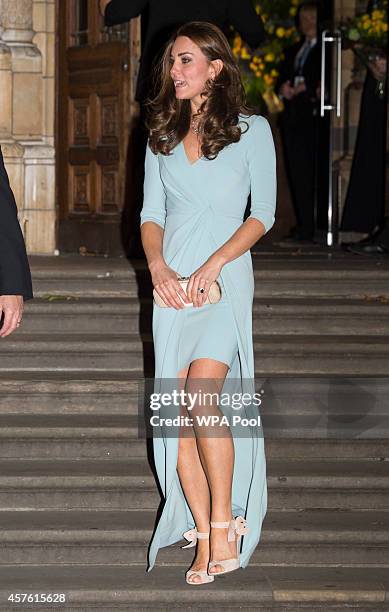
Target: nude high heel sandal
x=236 y=528
x=192 y=536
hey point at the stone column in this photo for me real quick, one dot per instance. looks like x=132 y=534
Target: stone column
x=17 y=21
x=1 y=18
x=29 y=153
x=5 y=92
x=26 y=69
x=5 y=85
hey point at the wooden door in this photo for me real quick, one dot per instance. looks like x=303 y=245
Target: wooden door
x=94 y=107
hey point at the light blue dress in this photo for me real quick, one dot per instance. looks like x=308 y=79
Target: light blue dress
x=200 y=205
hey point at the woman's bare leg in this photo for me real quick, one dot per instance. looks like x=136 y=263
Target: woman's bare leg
x=191 y=471
x=207 y=461
x=216 y=452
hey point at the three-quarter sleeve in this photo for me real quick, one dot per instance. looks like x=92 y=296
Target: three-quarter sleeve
x=261 y=157
x=154 y=194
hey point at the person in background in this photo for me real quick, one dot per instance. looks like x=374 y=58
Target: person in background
x=365 y=209
x=15 y=277
x=156 y=27
x=298 y=86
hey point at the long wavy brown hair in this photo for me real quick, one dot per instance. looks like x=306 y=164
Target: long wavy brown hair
x=168 y=118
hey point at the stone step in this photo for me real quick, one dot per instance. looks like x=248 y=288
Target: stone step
x=319 y=537
x=102 y=394
x=275 y=316
x=117 y=587
x=83 y=445
x=117 y=436
x=69 y=417
x=265 y=265
x=282 y=355
x=347 y=285
x=286 y=276
x=119 y=484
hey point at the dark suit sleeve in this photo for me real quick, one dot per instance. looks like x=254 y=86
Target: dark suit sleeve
x=15 y=277
x=120 y=11
x=286 y=67
x=312 y=72
x=241 y=14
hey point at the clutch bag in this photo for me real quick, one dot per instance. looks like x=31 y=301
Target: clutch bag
x=214 y=293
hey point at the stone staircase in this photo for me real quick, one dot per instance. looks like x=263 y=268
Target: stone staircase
x=78 y=496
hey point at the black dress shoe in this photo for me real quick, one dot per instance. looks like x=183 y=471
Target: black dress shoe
x=369 y=248
x=371 y=238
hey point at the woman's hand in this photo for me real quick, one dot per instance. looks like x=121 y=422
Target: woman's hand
x=165 y=282
x=203 y=277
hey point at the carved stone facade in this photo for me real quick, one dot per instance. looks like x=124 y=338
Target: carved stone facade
x=27 y=136
x=27 y=93
x=17 y=20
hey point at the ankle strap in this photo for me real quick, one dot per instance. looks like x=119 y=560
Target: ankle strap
x=221 y=523
x=203 y=535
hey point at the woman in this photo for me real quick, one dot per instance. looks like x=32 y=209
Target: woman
x=205 y=151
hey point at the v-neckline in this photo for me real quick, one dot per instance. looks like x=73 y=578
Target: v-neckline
x=186 y=156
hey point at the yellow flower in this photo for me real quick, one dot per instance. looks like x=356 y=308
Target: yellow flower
x=293 y=11
x=377 y=14
x=270 y=29
x=269 y=57
x=384 y=27
x=366 y=25
x=257 y=9
x=268 y=79
x=280 y=32
x=274 y=73
x=245 y=54
x=261 y=65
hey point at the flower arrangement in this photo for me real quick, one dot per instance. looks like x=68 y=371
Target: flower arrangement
x=260 y=70
x=369 y=29
x=367 y=35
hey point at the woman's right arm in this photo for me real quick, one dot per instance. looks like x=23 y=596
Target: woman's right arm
x=152 y=222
